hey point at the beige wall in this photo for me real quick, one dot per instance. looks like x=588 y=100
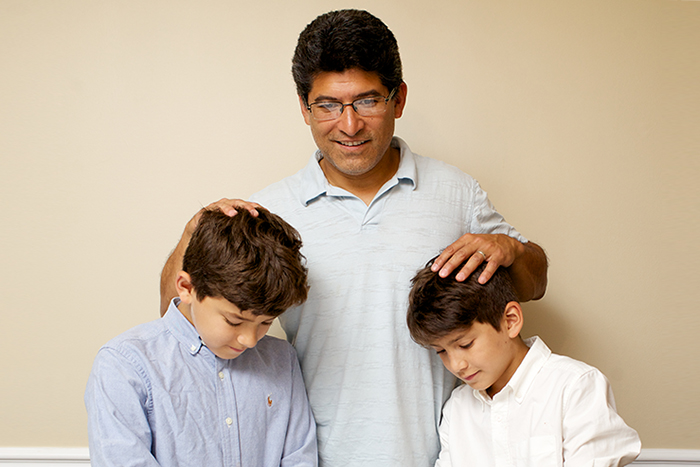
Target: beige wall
x=118 y=119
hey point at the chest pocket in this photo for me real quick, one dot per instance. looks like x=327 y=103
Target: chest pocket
x=538 y=451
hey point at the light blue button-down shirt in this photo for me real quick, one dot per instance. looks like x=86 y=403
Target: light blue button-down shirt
x=157 y=396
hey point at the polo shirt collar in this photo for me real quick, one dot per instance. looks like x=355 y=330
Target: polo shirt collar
x=315 y=184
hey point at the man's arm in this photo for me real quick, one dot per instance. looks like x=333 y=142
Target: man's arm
x=526 y=262
x=174 y=263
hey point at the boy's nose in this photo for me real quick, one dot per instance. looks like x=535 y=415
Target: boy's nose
x=458 y=364
x=248 y=338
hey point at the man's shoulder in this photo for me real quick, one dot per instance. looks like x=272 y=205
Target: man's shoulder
x=435 y=170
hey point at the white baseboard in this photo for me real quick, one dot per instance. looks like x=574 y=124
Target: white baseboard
x=80 y=457
x=44 y=457
x=669 y=457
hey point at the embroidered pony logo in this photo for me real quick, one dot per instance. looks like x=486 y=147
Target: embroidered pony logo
x=269 y=400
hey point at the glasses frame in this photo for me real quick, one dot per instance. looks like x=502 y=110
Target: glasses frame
x=342 y=106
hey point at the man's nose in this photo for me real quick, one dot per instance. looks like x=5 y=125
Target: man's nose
x=349 y=121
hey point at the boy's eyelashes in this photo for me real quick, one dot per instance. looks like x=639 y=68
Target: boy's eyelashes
x=264 y=323
x=468 y=345
x=230 y=323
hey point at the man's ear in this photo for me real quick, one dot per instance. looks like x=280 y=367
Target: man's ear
x=400 y=100
x=513 y=317
x=183 y=284
x=304 y=111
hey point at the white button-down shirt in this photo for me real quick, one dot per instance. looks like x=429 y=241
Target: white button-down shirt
x=555 y=411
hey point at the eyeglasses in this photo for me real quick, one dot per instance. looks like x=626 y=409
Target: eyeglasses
x=365 y=107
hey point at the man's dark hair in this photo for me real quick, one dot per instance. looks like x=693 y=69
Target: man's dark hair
x=253 y=262
x=438 y=306
x=342 y=40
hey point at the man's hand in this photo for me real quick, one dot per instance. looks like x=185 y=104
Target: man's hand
x=173 y=265
x=526 y=262
x=230 y=207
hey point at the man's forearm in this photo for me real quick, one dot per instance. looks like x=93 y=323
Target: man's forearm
x=529 y=273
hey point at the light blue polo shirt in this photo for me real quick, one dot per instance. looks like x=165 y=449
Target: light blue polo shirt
x=376 y=395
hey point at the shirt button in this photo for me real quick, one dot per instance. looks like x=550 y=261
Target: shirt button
x=193 y=348
x=221 y=375
x=229 y=421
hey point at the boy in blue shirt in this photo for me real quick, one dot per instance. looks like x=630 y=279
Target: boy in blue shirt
x=204 y=386
x=522 y=404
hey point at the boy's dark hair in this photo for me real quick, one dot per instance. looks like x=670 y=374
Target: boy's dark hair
x=253 y=262
x=440 y=306
x=345 y=39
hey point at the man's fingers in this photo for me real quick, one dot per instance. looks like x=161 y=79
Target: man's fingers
x=474 y=261
x=488 y=272
x=230 y=207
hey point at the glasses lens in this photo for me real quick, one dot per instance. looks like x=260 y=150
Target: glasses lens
x=326 y=110
x=370 y=106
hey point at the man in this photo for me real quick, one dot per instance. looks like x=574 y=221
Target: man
x=371 y=213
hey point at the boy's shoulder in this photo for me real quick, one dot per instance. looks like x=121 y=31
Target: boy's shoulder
x=568 y=368
x=138 y=335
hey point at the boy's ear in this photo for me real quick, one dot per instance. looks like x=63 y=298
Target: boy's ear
x=513 y=317
x=183 y=285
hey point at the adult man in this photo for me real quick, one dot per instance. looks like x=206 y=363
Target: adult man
x=370 y=213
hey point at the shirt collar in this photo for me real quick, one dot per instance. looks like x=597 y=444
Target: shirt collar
x=522 y=379
x=181 y=328
x=315 y=184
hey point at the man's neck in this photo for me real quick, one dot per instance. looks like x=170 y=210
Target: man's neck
x=364 y=186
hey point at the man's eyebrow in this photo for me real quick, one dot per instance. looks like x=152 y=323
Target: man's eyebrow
x=370 y=93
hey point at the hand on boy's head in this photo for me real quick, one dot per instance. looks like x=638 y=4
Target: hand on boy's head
x=230 y=207
x=497 y=249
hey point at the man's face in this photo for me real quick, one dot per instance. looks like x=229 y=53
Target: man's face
x=353 y=146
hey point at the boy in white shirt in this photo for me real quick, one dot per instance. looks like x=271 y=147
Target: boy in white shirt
x=522 y=404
